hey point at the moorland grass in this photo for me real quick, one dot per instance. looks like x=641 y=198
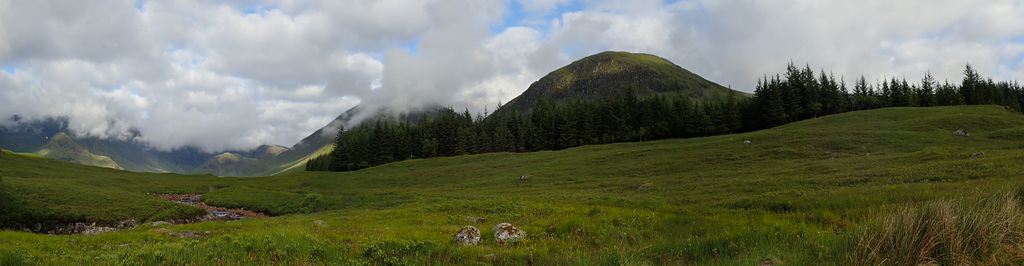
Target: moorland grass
x=810 y=192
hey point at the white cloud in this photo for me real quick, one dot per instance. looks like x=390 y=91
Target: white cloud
x=237 y=74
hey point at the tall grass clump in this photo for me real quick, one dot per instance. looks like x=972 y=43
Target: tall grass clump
x=947 y=232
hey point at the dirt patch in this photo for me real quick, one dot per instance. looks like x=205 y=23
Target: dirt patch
x=220 y=212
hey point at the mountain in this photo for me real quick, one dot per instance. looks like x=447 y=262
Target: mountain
x=266 y=152
x=137 y=156
x=62 y=147
x=294 y=159
x=608 y=74
x=612 y=74
x=321 y=141
x=19 y=135
x=226 y=164
x=29 y=136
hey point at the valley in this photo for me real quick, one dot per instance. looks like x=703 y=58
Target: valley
x=809 y=192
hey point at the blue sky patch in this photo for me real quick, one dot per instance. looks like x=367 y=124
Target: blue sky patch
x=257 y=10
x=10 y=69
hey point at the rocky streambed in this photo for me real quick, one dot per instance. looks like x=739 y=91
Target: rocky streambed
x=216 y=214
x=221 y=213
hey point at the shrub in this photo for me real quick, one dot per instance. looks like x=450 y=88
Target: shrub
x=312 y=203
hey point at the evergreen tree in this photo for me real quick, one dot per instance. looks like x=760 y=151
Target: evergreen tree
x=970 y=87
x=926 y=93
x=863 y=96
x=947 y=95
x=733 y=115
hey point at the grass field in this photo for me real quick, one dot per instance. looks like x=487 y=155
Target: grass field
x=821 y=191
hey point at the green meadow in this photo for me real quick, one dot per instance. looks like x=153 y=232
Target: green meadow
x=886 y=186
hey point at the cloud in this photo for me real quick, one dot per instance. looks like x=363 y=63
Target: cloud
x=236 y=74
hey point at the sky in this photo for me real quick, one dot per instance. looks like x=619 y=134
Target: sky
x=235 y=74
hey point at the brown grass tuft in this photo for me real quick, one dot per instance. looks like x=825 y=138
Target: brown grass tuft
x=947 y=232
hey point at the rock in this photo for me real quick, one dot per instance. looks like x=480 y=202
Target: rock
x=525 y=177
x=81 y=228
x=95 y=230
x=978 y=155
x=961 y=132
x=171 y=233
x=771 y=261
x=468 y=236
x=473 y=219
x=159 y=223
x=505 y=232
x=127 y=223
x=746 y=142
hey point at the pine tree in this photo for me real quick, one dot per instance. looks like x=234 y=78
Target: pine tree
x=926 y=94
x=970 y=86
x=862 y=95
x=948 y=95
x=733 y=115
x=771 y=99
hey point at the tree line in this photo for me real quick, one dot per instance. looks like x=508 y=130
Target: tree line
x=796 y=95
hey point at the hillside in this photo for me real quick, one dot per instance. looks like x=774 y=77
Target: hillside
x=608 y=74
x=264 y=152
x=612 y=74
x=322 y=141
x=21 y=136
x=62 y=147
x=803 y=193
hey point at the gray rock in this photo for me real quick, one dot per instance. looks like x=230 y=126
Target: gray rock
x=746 y=142
x=525 y=177
x=127 y=223
x=82 y=228
x=468 y=236
x=505 y=232
x=961 y=132
x=978 y=155
x=474 y=219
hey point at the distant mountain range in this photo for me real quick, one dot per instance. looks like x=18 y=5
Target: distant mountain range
x=607 y=74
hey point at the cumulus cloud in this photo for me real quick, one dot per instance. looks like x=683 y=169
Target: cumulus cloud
x=236 y=74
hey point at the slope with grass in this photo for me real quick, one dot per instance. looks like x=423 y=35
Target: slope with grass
x=613 y=74
x=62 y=147
x=810 y=192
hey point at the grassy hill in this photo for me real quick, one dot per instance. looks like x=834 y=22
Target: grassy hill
x=811 y=192
x=612 y=74
x=62 y=147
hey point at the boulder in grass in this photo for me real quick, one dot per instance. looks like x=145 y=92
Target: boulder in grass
x=978 y=155
x=468 y=236
x=961 y=133
x=525 y=177
x=505 y=232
